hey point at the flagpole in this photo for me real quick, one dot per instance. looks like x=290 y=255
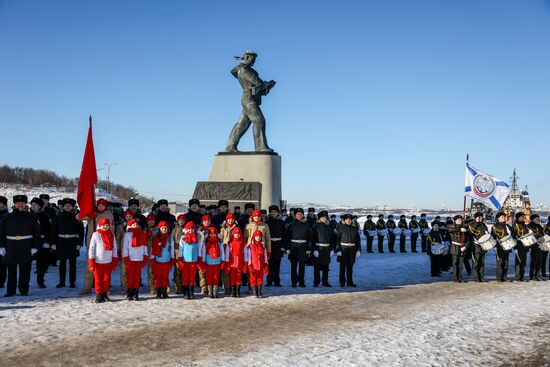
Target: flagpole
x=464 y=209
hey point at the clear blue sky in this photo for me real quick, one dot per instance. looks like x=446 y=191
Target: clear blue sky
x=377 y=102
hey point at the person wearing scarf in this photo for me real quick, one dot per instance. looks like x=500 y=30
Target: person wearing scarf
x=206 y=222
x=134 y=254
x=188 y=257
x=102 y=258
x=257 y=263
x=150 y=232
x=236 y=264
x=225 y=233
x=120 y=233
x=177 y=233
x=162 y=254
x=213 y=255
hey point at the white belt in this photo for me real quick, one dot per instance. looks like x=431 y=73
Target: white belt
x=323 y=244
x=17 y=238
x=67 y=235
x=298 y=241
x=42 y=236
x=347 y=244
x=457 y=243
x=275 y=239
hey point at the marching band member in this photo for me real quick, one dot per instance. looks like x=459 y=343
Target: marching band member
x=348 y=248
x=380 y=226
x=423 y=224
x=369 y=226
x=499 y=231
x=414 y=226
x=402 y=238
x=134 y=255
x=188 y=258
x=435 y=260
x=478 y=229
x=257 y=263
x=102 y=258
x=458 y=247
x=163 y=258
x=535 y=268
x=390 y=224
x=520 y=229
x=323 y=241
x=212 y=254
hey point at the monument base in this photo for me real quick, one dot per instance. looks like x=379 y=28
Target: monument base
x=243 y=177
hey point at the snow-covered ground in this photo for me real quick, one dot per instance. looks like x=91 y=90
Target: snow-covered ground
x=398 y=316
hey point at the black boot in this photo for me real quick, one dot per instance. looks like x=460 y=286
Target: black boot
x=136 y=294
x=164 y=293
x=211 y=291
x=238 y=288
x=215 y=290
x=159 y=293
x=99 y=298
x=260 y=291
x=130 y=294
x=234 y=291
x=192 y=292
x=106 y=297
x=255 y=291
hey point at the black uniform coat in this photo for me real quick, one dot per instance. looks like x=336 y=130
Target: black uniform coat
x=368 y=226
x=477 y=230
x=19 y=223
x=277 y=229
x=298 y=231
x=322 y=233
x=167 y=217
x=45 y=230
x=347 y=234
x=66 y=224
x=456 y=239
x=194 y=217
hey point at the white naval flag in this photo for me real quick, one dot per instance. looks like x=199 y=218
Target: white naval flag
x=485 y=188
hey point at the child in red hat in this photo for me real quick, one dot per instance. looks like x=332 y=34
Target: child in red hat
x=102 y=258
x=188 y=258
x=213 y=256
x=257 y=264
x=236 y=263
x=162 y=255
x=134 y=254
x=151 y=231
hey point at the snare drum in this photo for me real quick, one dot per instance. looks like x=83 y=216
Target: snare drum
x=426 y=231
x=447 y=247
x=438 y=249
x=486 y=242
x=396 y=231
x=382 y=232
x=372 y=233
x=416 y=230
x=507 y=243
x=544 y=243
x=528 y=240
x=406 y=232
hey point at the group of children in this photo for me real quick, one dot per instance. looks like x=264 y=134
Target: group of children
x=194 y=250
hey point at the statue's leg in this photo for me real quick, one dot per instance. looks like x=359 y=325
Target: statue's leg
x=237 y=132
x=255 y=114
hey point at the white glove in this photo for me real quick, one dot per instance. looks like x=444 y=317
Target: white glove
x=358 y=253
x=331 y=253
x=316 y=253
x=33 y=251
x=288 y=252
x=46 y=245
x=2 y=251
x=54 y=247
x=463 y=230
x=78 y=247
x=339 y=253
x=308 y=252
x=463 y=248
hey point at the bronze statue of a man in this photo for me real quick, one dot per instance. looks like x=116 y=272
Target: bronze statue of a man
x=253 y=90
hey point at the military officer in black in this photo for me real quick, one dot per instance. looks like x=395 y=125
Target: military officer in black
x=414 y=227
x=52 y=211
x=458 y=247
x=67 y=239
x=277 y=231
x=219 y=218
x=390 y=224
x=19 y=241
x=423 y=224
x=519 y=230
x=348 y=248
x=298 y=245
x=499 y=231
x=323 y=244
x=369 y=226
x=43 y=254
x=380 y=226
x=133 y=205
x=402 y=238
x=535 y=268
x=245 y=217
x=3 y=268
x=478 y=229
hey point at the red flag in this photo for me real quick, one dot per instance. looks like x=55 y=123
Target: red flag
x=88 y=179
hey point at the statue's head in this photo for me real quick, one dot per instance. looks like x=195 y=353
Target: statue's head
x=249 y=57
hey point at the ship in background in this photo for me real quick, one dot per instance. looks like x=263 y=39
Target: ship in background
x=518 y=200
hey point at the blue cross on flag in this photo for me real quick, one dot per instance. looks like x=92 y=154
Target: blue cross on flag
x=485 y=188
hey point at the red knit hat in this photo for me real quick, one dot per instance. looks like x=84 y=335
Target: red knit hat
x=163 y=223
x=102 y=202
x=182 y=216
x=257 y=213
x=206 y=217
x=151 y=217
x=230 y=216
x=103 y=221
x=128 y=212
x=131 y=222
x=190 y=225
x=212 y=231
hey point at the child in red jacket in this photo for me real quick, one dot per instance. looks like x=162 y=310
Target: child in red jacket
x=162 y=255
x=257 y=264
x=134 y=254
x=102 y=258
x=236 y=263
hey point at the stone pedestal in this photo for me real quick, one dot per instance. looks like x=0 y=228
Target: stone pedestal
x=243 y=177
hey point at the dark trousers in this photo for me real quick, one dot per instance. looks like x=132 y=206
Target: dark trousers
x=63 y=270
x=458 y=263
x=467 y=257
x=521 y=261
x=502 y=263
x=544 y=258
x=414 y=238
x=3 y=272
x=423 y=243
x=346 y=274
x=535 y=268
x=370 y=240
x=391 y=242
x=435 y=264
x=53 y=258
x=402 y=240
x=24 y=278
x=317 y=269
x=479 y=264
x=297 y=272
x=380 y=244
x=273 y=276
x=42 y=262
